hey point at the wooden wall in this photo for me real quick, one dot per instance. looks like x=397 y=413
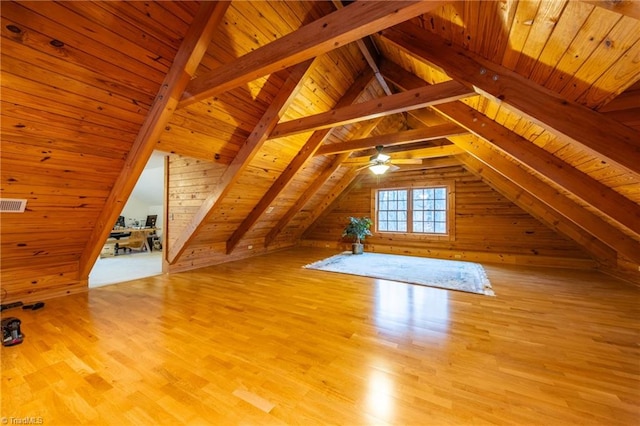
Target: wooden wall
x=488 y=227
x=189 y=183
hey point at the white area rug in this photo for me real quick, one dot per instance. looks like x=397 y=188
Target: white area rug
x=448 y=274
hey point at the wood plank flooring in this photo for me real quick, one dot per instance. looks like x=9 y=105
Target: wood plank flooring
x=265 y=342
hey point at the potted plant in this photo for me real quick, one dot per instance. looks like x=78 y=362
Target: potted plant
x=358 y=229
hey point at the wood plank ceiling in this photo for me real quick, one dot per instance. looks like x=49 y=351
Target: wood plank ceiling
x=264 y=102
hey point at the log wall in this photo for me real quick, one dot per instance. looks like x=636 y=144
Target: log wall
x=487 y=226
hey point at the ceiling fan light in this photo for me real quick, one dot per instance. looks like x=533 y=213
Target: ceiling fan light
x=379 y=169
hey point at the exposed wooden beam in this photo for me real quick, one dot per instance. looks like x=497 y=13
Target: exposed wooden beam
x=187 y=59
x=625 y=7
x=603 y=137
x=370 y=52
x=611 y=203
x=422 y=153
x=249 y=149
x=538 y=209
x=337 y=29
x=316 y=185
x=306 y=196
x=307 y=152
x=393 y=139
x=405 y=101
x=588 y=221
x=337 y=193
x=431 y=163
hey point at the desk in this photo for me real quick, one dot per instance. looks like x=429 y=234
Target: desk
x=138 y=238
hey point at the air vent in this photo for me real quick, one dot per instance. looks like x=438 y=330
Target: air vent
x=12 y=205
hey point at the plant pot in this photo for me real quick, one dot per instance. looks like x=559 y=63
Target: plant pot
x=357 y=248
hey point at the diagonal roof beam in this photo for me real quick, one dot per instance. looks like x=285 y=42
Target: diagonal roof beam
x=609 y=202
x=316 y=185
x=602 y=136
x=249 y=149
x=189 y=55
x=405 y=101
x=393 y=139
x=370 y=53
x=337 y=29
x=307 y=152
x=422 y=153
x=538 y=209
x=548 y=195
x=337 y=194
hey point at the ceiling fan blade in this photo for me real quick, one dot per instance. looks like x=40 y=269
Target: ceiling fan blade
x=406 y=161
x=393 y=168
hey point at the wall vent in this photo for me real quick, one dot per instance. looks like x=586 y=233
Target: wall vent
x=12 y=205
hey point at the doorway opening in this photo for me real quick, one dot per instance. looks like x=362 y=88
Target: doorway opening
x=134 y=248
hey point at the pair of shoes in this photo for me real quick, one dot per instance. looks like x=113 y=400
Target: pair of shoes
x=35 y=306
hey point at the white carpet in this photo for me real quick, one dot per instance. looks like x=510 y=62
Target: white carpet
x=447 y=274
x=125 y=267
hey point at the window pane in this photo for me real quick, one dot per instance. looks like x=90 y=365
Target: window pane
x=441 y=204
x=402 y=205
x=402 y=226
x=402 y=195
x=441 y=193
x=417 y=216
x=429 y=216
x=418 y=204
x=393 y=226
x=441 y=216
x=393 y=216
x=418 y=227
x=383 y=216
x=441 y=228
x=429 y=205
x=428 y=227
x=402 y=217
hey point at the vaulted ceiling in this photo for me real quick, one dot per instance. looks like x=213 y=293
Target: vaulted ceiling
x=539 y=98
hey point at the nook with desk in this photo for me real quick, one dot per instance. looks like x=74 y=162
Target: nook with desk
x=130 y=238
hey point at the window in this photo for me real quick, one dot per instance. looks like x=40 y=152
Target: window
x=413 y=210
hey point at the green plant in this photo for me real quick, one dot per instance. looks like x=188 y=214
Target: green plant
x=358 y=228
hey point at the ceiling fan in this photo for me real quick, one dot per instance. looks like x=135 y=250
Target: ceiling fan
x=379 y=163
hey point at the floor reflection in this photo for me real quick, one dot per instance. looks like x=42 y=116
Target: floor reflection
x=380 y=395
x=405 y=306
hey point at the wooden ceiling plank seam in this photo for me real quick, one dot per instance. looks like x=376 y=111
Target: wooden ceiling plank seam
x=587 y=128
x=539 y=210
x=604 y=199
x=591 y=34
x=249 y=149
x=617 y=42
x=606 y=88
x=393 y=139
x=72 y=86
x=184 y=66
x=572 y=19
x=318 y=182
x=588 y=221
x=96 y=42
x=307 y=152
x=400 y=102
x=518 y=32
x=330 y=32
x=112 y=80
x=542 y=27
x=135 y=31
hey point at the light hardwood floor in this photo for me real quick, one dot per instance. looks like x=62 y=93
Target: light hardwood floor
x=263 y=341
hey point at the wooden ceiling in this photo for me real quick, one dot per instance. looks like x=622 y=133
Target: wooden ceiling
x=269 y=95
